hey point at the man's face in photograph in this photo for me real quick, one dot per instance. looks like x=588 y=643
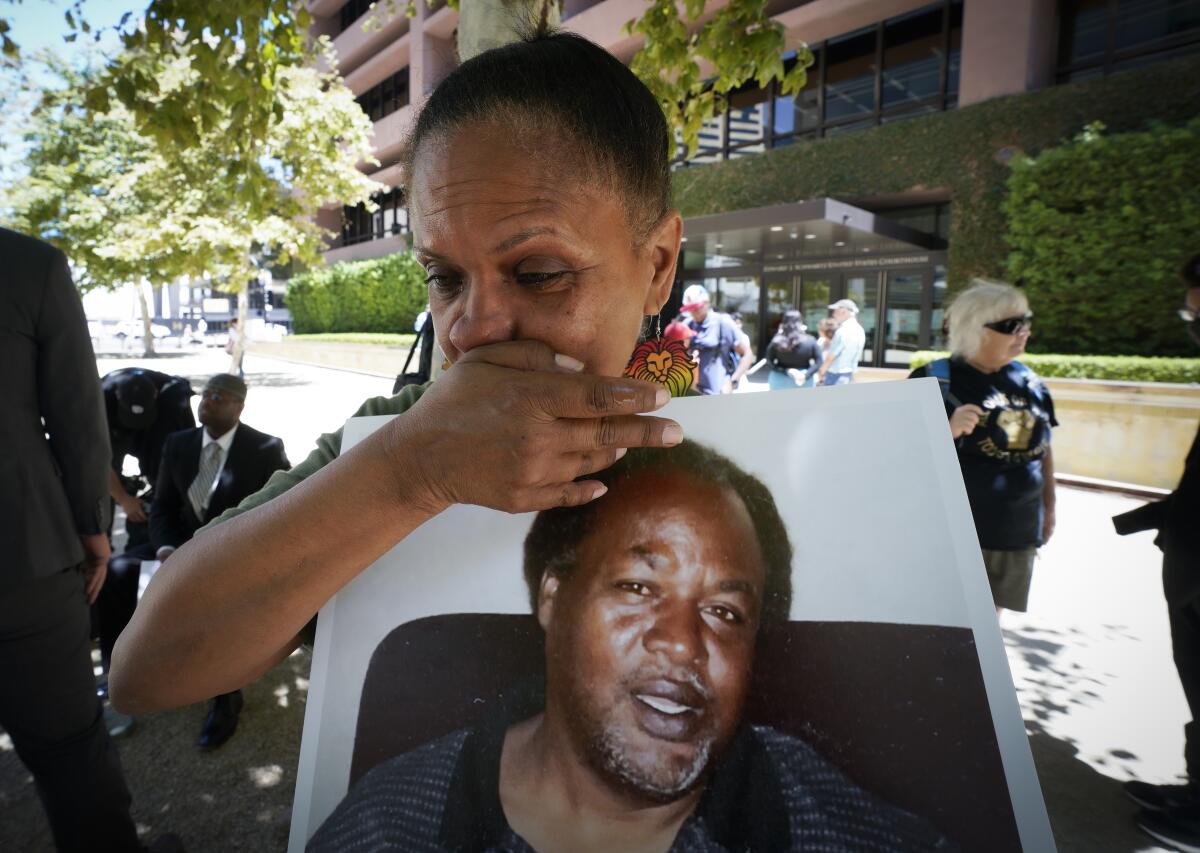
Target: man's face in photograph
x=650 y=638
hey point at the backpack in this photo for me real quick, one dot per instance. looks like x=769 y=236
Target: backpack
x=728 y=339
x=940 y=370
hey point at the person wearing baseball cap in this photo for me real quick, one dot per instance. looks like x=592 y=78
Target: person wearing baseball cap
x=724 y=357
x=846 y=351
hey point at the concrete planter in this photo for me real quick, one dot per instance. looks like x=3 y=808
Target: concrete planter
x=375 y=359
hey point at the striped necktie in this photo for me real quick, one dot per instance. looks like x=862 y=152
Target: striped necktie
x=201 y=487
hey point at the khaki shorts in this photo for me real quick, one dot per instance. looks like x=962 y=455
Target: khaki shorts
x=1009 y=573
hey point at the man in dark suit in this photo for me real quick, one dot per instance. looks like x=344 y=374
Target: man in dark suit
x=1171 y=813
x=54 y=508
x=203 y=472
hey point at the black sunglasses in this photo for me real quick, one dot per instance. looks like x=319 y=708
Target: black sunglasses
x=1010 y=326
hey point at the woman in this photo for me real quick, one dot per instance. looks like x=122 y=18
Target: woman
x=1000 y=418
x=792 y=353
x=825 y=330
x=539 y=188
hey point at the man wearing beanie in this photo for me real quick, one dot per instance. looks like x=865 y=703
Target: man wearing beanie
x=204 y=471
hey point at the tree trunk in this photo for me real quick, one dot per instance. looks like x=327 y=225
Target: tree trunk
x=484 y=24
x=147 y=330
x=239 y=340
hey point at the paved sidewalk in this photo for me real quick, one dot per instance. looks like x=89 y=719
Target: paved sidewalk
x=1092 y=664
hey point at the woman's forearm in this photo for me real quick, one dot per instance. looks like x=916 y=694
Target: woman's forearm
x=229 y=604
x=1049 y=498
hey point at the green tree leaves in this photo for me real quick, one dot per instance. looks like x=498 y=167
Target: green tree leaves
x=692 y=61
x=1098 y=229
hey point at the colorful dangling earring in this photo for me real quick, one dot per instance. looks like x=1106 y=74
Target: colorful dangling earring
x=664 y=361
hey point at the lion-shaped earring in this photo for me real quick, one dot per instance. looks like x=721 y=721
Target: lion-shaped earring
x=662 y=360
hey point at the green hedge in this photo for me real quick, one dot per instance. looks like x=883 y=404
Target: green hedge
x=378 y=295
x=962 y=154
x=1124 y=368
x=1099 y=228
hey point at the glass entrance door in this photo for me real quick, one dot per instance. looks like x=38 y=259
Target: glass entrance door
x=816 y=293
x=902 y=332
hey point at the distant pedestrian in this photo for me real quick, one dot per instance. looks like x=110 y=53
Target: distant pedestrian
x=55 y=508
x=724 y=357
x=792 y=353
x=1171 y=813
x=846 y=348
x=1000 y=416
x=825 y=329
x=679 y=330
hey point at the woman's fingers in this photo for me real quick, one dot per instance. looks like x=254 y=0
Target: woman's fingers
x=522 y=355
x=587 y=434
x=592 y=396
x=565 y=494
x=582 y=464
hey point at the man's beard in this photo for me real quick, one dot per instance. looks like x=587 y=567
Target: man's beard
x=661 y=782
x=610 y=750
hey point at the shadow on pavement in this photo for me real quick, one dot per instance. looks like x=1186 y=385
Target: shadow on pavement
x=238 y=797
x=1087 y=809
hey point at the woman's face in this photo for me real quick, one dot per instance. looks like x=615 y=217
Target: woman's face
x=998 y=349
x=519 y=248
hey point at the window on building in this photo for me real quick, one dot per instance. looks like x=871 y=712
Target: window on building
x=351 y=11
x=896 y=69
x=386 y=97
x=850 y=74
x=748 y=124
x=389 y=219
x=1099 y=37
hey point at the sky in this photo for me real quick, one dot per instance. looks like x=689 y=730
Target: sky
x=37 y=25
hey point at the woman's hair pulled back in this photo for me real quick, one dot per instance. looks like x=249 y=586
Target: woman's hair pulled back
x=791 y=330
x=561 y=96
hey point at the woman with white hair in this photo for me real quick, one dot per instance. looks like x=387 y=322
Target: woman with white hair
x=1000 y=418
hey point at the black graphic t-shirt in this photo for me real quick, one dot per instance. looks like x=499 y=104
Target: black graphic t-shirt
x=1002 y=459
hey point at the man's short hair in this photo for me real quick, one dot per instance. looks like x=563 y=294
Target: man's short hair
x=553 y=540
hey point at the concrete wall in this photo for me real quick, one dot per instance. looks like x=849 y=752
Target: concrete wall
x=374 y=359
x=1124 y=432
x=1130 y=432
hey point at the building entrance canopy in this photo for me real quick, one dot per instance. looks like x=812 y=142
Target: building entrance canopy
x=824 y=229
x=762 y=261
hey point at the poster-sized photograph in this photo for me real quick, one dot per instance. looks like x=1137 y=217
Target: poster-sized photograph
x=776 y=636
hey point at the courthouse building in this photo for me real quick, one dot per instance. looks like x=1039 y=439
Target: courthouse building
x=881 y=181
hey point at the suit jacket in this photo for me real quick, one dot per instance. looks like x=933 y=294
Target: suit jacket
x=252 y=458
x=1177 y=520
x=53 y=436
